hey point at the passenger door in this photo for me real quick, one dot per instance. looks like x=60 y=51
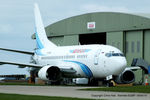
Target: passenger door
x=96 y=57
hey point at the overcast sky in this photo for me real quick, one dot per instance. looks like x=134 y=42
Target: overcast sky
x=17 y=21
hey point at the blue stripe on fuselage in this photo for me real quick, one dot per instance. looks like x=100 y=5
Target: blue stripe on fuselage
x=84 y=68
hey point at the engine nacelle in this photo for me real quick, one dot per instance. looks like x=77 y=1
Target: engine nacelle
x=52 y=73
x=125 y=77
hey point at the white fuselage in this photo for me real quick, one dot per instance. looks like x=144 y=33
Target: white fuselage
x=96 y=61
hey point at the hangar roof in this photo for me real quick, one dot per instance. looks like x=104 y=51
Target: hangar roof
x=104 y=22
x=147 y=15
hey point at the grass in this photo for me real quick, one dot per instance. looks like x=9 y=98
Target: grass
x=33 y=97
x=21 y=83
x=136 y=89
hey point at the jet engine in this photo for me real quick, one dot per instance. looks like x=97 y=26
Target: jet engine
x=52 y=73
x=125 y=77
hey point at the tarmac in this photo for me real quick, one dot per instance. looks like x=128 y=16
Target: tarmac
x=68 y=91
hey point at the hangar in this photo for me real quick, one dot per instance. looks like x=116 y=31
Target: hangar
x=128 y=32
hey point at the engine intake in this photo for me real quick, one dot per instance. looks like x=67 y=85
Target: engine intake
x=125 y=77
x=52 y=73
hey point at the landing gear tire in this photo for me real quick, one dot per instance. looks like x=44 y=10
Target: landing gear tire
x=93 y=82
x=56 y=83
x=110 y=84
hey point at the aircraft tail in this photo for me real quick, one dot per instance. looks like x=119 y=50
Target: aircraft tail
x=41 y=38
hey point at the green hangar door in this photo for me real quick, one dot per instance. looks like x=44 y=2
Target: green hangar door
x=116 y=39
x=147 y=46
x=133 y=45
x=92 y=38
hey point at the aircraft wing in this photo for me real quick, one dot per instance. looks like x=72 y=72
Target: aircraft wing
x=18 y=51
x=21 y=65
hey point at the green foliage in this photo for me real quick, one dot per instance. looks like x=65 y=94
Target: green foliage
x=16 y=83
x=137 y=89
x=30 y=97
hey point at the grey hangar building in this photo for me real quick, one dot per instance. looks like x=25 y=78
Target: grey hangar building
x=128 y=32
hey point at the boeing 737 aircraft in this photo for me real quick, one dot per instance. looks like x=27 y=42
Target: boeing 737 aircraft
x=82 y=61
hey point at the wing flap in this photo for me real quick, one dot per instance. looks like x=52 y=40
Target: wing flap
x=20 y=64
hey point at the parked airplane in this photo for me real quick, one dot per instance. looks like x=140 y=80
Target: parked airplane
x=82 y=61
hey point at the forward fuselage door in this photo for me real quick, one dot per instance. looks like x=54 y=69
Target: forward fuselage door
x=96 y=57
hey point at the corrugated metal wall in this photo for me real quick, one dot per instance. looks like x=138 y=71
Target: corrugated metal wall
x=105 y=22
x=147 y=45
x=116 y=39
x=133 y=45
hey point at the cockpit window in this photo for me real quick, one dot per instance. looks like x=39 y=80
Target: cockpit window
x=108 y=54
x=114 y=54
x=121 y=55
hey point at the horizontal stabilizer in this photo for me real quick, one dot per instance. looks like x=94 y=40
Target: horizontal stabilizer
x=18 y=51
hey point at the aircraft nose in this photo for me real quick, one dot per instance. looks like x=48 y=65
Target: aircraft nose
x=123 y=62
x=120 y=65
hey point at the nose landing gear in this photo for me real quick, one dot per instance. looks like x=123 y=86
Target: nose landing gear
x=110 y=81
